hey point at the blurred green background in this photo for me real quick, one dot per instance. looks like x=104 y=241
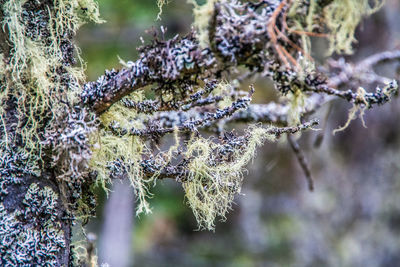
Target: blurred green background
x=352 y=218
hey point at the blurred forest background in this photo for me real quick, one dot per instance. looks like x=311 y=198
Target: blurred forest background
x=352 y=218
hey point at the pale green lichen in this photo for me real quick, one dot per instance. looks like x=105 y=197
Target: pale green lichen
x=341 y=18
x=37 y=79
x=125 y=150
x=297 y=103
x=160 y=5
x=361 y=104
x=357 y=108
x=202 y=16
x=223 y=89
x=211 y=181
x=303 y=22
x=211 y=186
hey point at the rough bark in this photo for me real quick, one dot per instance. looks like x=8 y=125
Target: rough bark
x=35 y=198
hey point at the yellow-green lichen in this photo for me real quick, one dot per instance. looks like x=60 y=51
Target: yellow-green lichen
x=297 y=101
x=210 y=183
x=353 y=111
x=211 y=186
x=225 y=90
x=202 y=15
x=303 y=23
x=160 y=5
x=110 y=150
x=341 y=18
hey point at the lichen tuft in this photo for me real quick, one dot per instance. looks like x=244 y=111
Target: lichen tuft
x=116 y=156
x=216 y=173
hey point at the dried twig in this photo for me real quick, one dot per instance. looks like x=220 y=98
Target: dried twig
x=301 y=158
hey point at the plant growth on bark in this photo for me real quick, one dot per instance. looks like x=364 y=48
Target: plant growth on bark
x=61 y=136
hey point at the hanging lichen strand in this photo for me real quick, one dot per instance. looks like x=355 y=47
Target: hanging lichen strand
x=341 y=18
x=215 y=173
x=41 y=79
x=118 y=156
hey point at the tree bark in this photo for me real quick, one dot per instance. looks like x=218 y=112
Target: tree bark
x=37 y=197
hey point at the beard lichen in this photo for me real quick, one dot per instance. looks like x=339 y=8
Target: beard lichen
x=341 y=18
x=212 y=169
x=160 y=5
x=356 y=108
x=297 y=101
x=216 y=173
x=116 y=156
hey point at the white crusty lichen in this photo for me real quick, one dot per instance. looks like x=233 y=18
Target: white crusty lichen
x=38 y=243
x=40 y=201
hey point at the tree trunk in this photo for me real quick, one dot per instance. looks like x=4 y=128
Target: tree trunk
x=44 y=131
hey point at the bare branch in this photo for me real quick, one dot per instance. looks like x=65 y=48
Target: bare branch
x=301 y=158
x=362 y=71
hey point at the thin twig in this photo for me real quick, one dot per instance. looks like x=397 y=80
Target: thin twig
x=301 y=158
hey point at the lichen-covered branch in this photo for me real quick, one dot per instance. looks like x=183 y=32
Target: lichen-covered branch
x=189 y=77
x=161 y=62
x=380 y=96
x=179 y=171
x=362 y=71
